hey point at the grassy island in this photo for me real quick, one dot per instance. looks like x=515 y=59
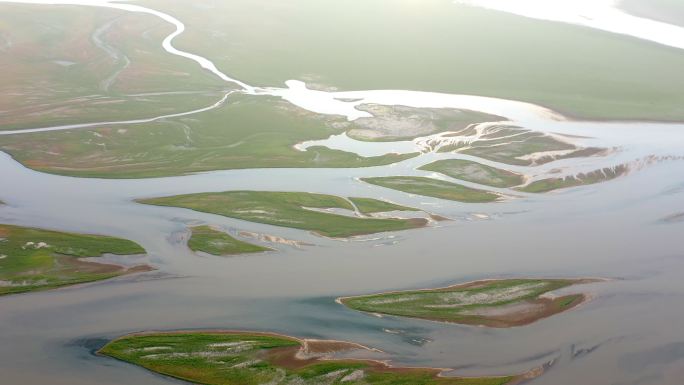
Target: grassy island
x=515 y=146
x=374 y=206
x=583 y=179
x=434 y=188
x=475 y=172
x=211 y=241
x=319 y=213
x=493 y=303
x=34 y=259
x=243 y=358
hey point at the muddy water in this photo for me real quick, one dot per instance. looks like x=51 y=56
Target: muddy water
x=610 y=230
x=628 y=334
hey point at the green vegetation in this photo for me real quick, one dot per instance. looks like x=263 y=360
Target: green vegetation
x=475 y=172
x=247 y=132
x=594 y=74
x=66 y=65
x=497 y=303
x=373 y=206
x=582 y=179
x=515 y=150
x=288 y=209
x=231 y=358
x=433 y=188
x=215 y=242
x=33 y=259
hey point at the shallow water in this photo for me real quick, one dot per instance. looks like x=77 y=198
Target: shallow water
x=628 y=334
x=610 y=230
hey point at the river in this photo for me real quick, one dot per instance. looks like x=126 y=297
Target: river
x=629 y=333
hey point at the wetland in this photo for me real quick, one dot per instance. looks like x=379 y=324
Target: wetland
x=241 y=179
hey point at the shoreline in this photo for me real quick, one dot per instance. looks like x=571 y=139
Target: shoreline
x=305 y=357
x=546 y=300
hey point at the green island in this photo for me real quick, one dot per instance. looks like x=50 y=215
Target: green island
x=582 y=179
x=215 y=242
x=434 y=188
x=247 y=132
x=374 y=206
x=475 y=172
x=516 y=146
x=246 y=358
x=34 y=259
x=492 y=303
x=299 y=210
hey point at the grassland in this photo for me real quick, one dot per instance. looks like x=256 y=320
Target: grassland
x=234 y=358
x=297 y=210
x=494 y=303
x=592 y=74
x=518 y=147
x=65 y=65
x=374 y=206
x=211 y=241
x=582 y=179
x=34 y=259
x=248 y=132
x=433 y=188
x=475 y=172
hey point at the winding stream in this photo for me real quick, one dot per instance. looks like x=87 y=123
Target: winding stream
x=629 y=334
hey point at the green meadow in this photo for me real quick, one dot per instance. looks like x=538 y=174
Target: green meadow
x=297 y=210
x=475 y=172
x=211 y=241
x=231 y=358
x=35 y=259
x=498 y=303
x=433 y=188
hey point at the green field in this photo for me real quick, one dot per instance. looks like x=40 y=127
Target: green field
x=208 y=240
x=583 y=179
x=475 y=172
x=68 y=65
x=512 y=145
x=248 y=132
x=288 y=209
x=374 y=206
x=498 y=303
x=34 y=259
x=231 y=358
x=573 y=69
x=433 y=188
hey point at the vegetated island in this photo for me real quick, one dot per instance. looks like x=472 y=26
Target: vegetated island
x=251 y=358
x=369 y=206
x=211 y=241
x=582 y=179
x=247 y=132
x=470 y=171
x=34 y=259
x=434 y=188
x=492 y=303
x=319 y=213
